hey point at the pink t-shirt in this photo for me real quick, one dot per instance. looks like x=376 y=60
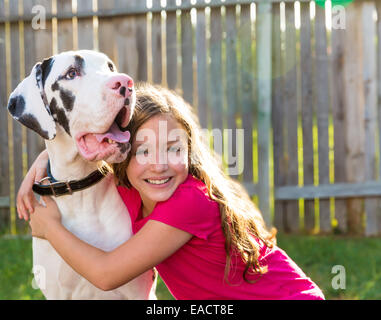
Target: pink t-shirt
x=196 y=270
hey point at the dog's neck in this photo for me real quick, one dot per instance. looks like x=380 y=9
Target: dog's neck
x=65 y=160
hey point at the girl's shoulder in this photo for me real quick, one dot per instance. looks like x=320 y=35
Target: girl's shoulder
x=193 y=191
x=193 y=182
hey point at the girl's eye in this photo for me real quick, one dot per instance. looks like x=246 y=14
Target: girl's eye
x=71 y=74
x=142 y=152
x=174 y=149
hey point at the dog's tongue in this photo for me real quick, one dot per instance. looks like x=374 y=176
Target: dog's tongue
x=115 y=134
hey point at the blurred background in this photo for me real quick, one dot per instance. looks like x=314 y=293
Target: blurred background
x=288 y=92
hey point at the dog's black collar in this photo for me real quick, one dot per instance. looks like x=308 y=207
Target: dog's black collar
x=60 y=188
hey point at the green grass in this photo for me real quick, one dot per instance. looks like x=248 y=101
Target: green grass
x=316 y=255
x=16 y=272
x=360 y=257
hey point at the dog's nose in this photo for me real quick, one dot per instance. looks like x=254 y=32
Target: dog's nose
x=121 y=84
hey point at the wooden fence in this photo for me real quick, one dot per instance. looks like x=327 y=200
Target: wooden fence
x=305 y=93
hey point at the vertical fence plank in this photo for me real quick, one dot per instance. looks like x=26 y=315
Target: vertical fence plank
x=202 y=107
x=141 y=38
x=171 y=46
x=369 y=78
x=338 y=113
x=105 y=29
x=21 y=224
x=16 y=159
x=126 y=39
x=278 y=118
x=44 y=36
x=85 y=26
x=264 y=105
x=307 y=111
x=354 y=111
x=186 y=54
x=290 y=105
x=156 y=46
x=65 y=26
x=246 y=92
x=378 y=59
x=4 y=159
x=322 y=113
x=215 y=79
x=231 y=91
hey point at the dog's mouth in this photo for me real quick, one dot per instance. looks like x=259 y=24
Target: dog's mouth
x=100 y=146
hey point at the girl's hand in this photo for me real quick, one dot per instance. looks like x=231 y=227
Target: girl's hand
x=26 y=200
x=44 y=218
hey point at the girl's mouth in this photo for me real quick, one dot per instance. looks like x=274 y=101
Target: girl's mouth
x=158 y=181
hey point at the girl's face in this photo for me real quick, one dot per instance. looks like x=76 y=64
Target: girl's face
x=159 y=159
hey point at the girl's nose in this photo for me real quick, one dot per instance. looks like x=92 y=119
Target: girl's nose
x=161 y=162
x=159 y=167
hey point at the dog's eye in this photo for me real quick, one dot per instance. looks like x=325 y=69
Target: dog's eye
x=71 y=74
x=110 y=66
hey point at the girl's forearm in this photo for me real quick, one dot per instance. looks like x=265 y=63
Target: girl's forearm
x=85 y=259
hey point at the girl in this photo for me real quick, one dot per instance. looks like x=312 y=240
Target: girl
x=195 y=224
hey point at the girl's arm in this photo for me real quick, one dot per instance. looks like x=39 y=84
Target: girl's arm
x=154 y=243
x=25 y=198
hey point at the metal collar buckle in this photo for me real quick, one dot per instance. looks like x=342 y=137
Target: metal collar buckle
x=58 y=184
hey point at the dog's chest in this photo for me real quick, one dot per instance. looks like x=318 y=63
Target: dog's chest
x=100 y=219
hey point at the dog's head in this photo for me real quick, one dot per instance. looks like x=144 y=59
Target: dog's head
x=81 y=95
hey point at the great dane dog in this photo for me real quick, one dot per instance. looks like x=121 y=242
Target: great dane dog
x=81 y=105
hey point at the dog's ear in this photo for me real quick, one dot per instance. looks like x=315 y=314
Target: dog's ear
x=26 y=104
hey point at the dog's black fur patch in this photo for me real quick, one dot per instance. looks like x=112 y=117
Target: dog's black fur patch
x=79 y=63
x=55 y=86
x=66 y=96
x=124 y=147
x=59 y=115
x=53 y=107
x=46 y=67
x=31 y=122
x=16 y=106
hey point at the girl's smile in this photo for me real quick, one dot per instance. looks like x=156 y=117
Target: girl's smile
x=158 y=182
x=159 y=160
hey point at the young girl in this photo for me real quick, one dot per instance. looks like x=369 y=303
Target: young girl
x=195 y=224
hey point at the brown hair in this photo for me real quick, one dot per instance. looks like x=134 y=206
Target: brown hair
x=241 y=221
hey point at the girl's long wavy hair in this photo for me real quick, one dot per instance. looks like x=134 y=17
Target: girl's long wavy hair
x=241 y=221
